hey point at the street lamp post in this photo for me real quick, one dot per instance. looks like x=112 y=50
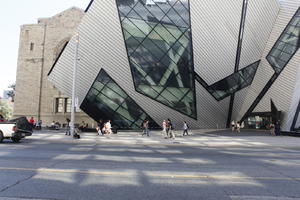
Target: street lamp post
x=72 y=128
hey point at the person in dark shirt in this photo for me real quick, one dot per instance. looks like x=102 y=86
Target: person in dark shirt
x=1 y=118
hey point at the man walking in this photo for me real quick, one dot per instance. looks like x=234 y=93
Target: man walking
x=146 y=128
x=68 y=127
x=185 y=128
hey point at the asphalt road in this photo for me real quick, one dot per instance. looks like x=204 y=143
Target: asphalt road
x=41 y=167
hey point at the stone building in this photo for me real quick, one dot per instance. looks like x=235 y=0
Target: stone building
x=40 y=46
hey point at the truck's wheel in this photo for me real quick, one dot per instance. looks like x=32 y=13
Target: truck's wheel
x=16 y=140
x=1 y=137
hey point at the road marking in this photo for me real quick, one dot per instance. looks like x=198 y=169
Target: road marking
x=262 y=198
x=150 y=174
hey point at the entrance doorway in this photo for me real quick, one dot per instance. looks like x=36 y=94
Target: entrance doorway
x=258 y=121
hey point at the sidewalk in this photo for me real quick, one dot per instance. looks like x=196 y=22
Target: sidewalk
x=206 y=138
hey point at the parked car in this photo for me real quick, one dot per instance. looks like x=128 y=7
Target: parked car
x=15 y=129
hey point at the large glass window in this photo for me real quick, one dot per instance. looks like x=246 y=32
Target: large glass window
x=68 y=104
x=158 y=39
x=286 y=46
x=59 y=105
x=107 y=100
x=231 y=84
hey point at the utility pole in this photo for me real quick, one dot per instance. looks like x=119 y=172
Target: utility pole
x=72 y=128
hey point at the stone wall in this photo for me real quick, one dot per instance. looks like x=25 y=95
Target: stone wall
x=40 y=44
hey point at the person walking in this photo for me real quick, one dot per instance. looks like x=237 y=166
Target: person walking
x=168 y=123
x=232 y=125
x=108 y=127
x=99 y=129
x=171 y=129
x=242 y=125
x=164 y=126
x=185 y=128
x=146 y=128
x=1 y=118
x=272 y=129
x=142 y=127
x=101 y=125
x=32 y=122
x=238 y=127
x=68 y=127
x=277 y=128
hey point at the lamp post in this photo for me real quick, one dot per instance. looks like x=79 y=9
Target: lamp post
x=72 y=128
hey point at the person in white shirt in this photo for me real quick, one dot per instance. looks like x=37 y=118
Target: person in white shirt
x=232 y=125
x=238 y=127
x=164 y=126
x=185 y=128
x=107 y=127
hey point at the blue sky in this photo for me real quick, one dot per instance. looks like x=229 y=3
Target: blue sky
x=14 y=13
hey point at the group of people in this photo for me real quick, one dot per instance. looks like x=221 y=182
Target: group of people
x=275 y=128
x=35 y=124
x=104 y=128
x=168 y=129
x=84 y=126
x=55 y=125
x=76 y=134
x=236 y=126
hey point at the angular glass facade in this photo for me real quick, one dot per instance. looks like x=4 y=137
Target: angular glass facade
x=287 y=45
x=158 y=40
x=231 y=84
x=107 y=100
x=279 y=56
x=234 y=82
x=296 y=121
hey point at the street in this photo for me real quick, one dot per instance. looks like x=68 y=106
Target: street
x=207 y=165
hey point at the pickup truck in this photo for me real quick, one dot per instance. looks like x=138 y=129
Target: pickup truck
x=15 y=129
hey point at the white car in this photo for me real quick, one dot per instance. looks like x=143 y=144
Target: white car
x=15 y=129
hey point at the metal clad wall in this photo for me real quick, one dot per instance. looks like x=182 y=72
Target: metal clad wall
x=282 y=90
x=102 y=46
x=215 y=28
x=294 y=104
x=261 y=16
x=215 y=34
x=62 y=72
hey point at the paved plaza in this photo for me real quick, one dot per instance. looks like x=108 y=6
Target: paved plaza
x=209 y=164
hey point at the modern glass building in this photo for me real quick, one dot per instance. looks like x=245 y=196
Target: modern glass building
x=204 y=62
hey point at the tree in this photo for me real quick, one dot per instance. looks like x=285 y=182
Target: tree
x=11 y=93
x=5 y=109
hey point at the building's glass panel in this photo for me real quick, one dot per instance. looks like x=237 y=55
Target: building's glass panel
x=286 y=46
x=111 y=102
x=297 y=124
x=234 y=82
x=157 y=34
